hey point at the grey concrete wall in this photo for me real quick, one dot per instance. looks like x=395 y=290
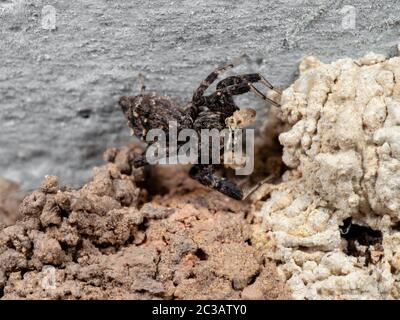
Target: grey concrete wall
x=58 y=88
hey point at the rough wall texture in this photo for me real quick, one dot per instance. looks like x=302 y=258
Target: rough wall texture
x=59 y=87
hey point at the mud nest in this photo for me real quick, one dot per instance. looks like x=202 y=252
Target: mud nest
x=115 y=239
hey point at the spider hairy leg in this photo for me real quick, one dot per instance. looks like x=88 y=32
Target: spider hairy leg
x=246 y=78
x=204 y=174
x=263 y=96
x=198 y=94
x=232 y=80
x=265 y=82
x=242 y=88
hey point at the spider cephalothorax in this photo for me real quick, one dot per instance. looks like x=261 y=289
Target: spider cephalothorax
x=148 y=111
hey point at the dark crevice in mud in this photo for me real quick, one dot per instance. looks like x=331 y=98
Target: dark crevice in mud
x=192 y=276
x=396 y=226
x=144 y=225
x=199 y=253
x=266 y=197
x=253 y=278
x=153 y=184
x=64 y=246
x=356 y=234
x=23 y=271
x=63 y=213
x=9 y=244
x=364 y=235
x=74 y=250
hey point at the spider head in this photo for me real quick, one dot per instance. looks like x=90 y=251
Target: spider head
x=150 y=111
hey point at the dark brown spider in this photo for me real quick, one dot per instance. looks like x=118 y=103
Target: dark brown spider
x=149 y=111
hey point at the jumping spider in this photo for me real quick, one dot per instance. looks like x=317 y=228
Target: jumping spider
x=148 y=110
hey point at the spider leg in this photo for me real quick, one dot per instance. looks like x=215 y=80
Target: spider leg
x=258 y=185
x=269 y=85
x=198 y=94
x=249 y=78
x=263 y=96
x=236 y=89
x=204 y=174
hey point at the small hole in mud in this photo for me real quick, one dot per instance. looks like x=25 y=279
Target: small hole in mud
x=23 y=272
x=396 y=226
x=253 y=278
x=356 y=234
x=248 y=241
x=63 y=213
x=154 y=183
x=265 y=198
x=143 y=225
x=305 y=249
x=364 y=235
x=201 y=254
x=64 y=246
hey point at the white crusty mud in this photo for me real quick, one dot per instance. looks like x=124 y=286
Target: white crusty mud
x=343 y=154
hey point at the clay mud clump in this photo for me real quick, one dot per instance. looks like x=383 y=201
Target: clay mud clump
x=10 y=198
x=114 y=239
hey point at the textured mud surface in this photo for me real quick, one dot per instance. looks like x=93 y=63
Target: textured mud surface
x=59 y=88
x=109 y=240
x=10 y=198
x=332 y=225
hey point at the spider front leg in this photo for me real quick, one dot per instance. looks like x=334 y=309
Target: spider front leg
x=240 y=88
x=205 y=175
x=198 y=99
x=246 y=78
